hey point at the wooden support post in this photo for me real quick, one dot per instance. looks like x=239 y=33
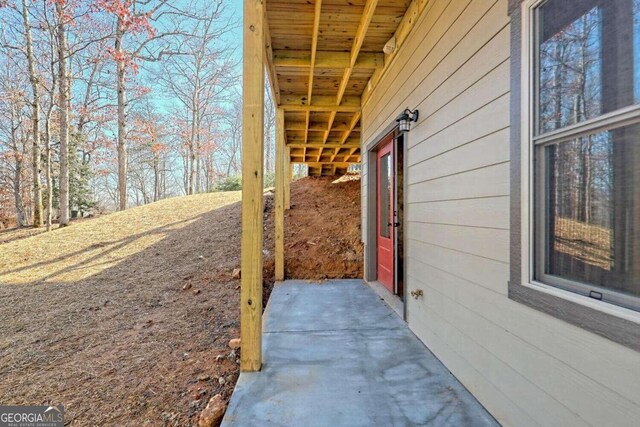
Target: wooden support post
x=252 y=183
x=288 y=171
x=280 y=190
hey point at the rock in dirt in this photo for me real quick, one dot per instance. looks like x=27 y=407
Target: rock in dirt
x=234 y=343
x=200 y=393
x=186 y=286
x=236 y=273
x=221 y=381
x=204 y=378
x=213 y=413
x=196 y=291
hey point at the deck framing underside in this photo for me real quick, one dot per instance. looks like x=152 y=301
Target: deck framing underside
x=323 y=58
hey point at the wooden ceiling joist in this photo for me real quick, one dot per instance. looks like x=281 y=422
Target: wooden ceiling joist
x=323 y=56
x=321 y=145
x=352 y=125
x=312 y=62
x=299 y=139
x=369 y=9
x=271 y=69
x=345 y=136
x=322 y=108
x=409 y=20
x=326 y=59
x=320 y=101
x=319 y=164
x=365 y=20
x=319 y=127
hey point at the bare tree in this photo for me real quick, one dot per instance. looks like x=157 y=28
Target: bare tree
x=199 y=78
x=35 y=119
x=231 y=149
x=63 y=107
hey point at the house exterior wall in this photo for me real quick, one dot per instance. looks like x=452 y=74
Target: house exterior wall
x=525 y=367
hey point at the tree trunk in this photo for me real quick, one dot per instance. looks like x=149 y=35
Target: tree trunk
x=198 y=156
x=63 y=106
x=35 y=120
x=192 y=148
x=192 y=158
x=156 y=177
x=47 y=151
x=17 y=194
x=17 y=177
x=122 y=116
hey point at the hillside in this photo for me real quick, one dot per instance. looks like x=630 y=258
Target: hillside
x=323 y=229
x=96 y=315
x=129 y=312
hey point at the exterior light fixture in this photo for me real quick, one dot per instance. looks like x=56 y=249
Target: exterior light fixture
x=405 y=118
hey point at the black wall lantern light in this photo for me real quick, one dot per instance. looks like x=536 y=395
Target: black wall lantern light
x=405 y=118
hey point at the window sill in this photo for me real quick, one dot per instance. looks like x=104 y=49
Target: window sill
x=605 y=307
x=617 y=324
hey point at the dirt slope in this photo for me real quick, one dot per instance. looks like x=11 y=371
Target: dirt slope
x=95 y=317
x=120 y=318
x=323 y=229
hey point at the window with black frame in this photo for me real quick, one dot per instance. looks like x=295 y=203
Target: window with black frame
x=587 y=148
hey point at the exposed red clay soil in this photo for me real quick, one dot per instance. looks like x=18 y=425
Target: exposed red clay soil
x=323 y=229
x=144 y=341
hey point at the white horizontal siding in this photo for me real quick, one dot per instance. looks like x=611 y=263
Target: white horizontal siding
x=526 y=367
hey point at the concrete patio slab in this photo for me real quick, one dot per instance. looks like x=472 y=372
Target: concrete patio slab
x=336 y=355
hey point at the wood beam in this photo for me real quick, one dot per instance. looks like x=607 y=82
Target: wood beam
x=269 y=67
x=332 y=118
x=352 y=124
x=320 y=145
x=288 y=171
x=280 y=190
x=363 y=27
x=345 y=136
x=327 y=60
x=318 y=127
x=320 y=164
x=322 y=108
x=320 y=100
x=252 y=183
x=312 y=63
x=298 y=141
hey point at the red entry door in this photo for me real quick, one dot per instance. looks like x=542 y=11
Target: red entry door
x=385 y=214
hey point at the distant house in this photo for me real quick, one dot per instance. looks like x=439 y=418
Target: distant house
x=500 y=150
